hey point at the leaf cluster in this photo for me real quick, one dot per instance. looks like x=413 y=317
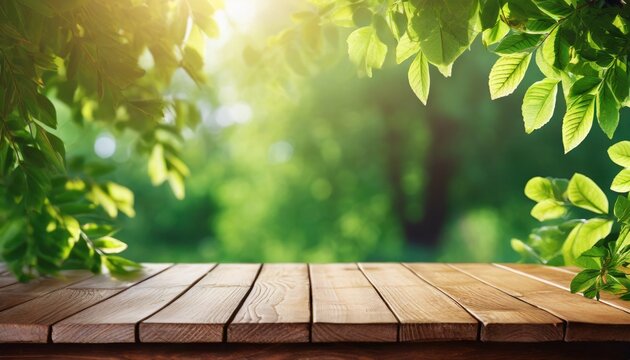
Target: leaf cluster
x=110 y=62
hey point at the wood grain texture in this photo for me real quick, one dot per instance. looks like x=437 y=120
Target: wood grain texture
x=347 y=308
x=7 y=279
x=503 y=317
x=586 y=319
x=31 y=320
x=200 y=315
x=114 y=320
x=18 y=293
x=561 y=277
x=460 y=350
x=425 y=313
x=277 y=310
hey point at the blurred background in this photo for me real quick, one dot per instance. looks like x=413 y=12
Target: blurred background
x=334 y=167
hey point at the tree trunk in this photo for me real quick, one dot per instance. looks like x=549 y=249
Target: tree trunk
x=439 y=168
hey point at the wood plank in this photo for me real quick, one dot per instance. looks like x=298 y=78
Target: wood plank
x=347 y=308
x=277 y=310
x=503 y=317
x=3 y=267
x=200 y=315
x=18 y=293
x=31 y=321
x=586 y=319
x=561 y=277
x=114 y=320
x=7 y=279
x=425 y=313
x=451 y=350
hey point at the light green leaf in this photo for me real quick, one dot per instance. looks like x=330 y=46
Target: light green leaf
x=620 y=153
x=507 y=73
x=545 y=58
x=419 y=79
x=539 y=103
x=548 y=210
x=446 y=28
x=577 y=121
x=590 y=233
x=157 y=165
x=495 y=34
x=110 y=245
x=366 y=50
x=517 y=43
x=584 y=193
x=176 y=182
x=406 y=48
x=621 y=182
x=539 y=189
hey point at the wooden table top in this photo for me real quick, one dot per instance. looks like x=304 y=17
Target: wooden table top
x=301 y=303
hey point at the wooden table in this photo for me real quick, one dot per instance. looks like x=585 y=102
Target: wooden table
x=369 y=310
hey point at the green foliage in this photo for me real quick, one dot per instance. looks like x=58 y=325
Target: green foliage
x=57 y=213
x=581 y=45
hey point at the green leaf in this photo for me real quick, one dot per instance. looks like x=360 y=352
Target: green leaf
x=489 y=14
x=607 y=111
x=620 y=153
x=584 y=193
x=518 y=43
x=548 y=210
x=618 y=82
x=419 y=79
x=406 y=48
x=583 y=280
x=622 y=209
x=621 y=182
x=585 y=85
x=557 y=9
x=507 y=73
x=577 y=121
x=119 y=265
x=366 y=50
x=539 y=103
x=446 y=28
x=47 y=113
x=539 y=189
x=110 y=245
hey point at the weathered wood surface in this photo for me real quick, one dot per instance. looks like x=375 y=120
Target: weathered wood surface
x=503 y=317
x=18 y=293
x=318 y=303
x=201 y=314
x=424 y=312
x=114 y=320
x=277 y=309
x=346 y=307
x=561 y=277
x=586 y=319
x=31 y=320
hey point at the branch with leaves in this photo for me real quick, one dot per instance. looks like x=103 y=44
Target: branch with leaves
x=57 y=213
